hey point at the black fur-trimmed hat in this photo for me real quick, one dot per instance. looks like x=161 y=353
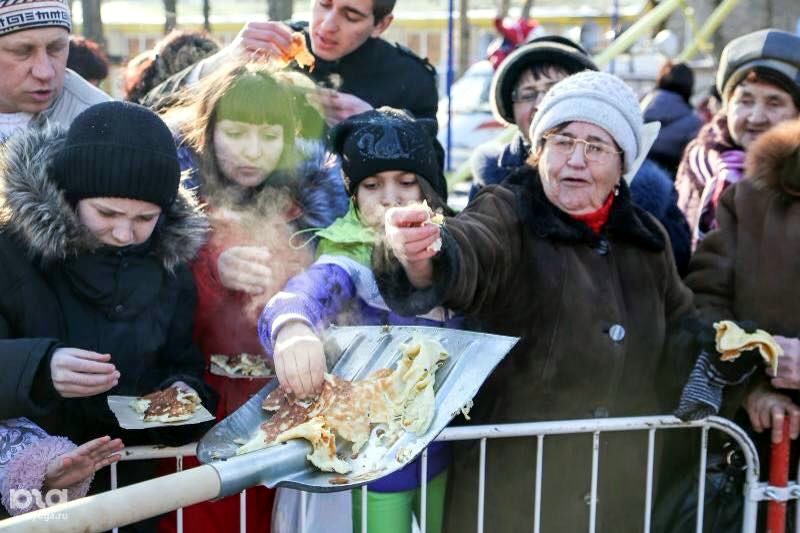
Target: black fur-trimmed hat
x=550 y=49
x=388 y=139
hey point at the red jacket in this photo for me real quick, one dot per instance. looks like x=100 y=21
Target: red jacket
x=225 y=320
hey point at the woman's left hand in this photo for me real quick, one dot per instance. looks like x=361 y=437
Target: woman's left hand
x=75 y=466
x=788 y=374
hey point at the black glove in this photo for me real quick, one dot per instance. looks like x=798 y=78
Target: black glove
x=733 y=372
x=702 y=394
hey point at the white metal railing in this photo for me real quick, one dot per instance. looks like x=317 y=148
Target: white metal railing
x=753 y=493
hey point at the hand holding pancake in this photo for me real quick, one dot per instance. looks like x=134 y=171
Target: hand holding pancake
x=299 y=360
x=265 y=38
x=411 y=237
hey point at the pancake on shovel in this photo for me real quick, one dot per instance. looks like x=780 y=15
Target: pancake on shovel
x=402 y=399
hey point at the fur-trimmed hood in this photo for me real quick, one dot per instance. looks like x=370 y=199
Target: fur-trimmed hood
x=774 y=159
x=33 y=209
x=316 y=183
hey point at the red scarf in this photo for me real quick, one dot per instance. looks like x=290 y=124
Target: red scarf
x=597 y=219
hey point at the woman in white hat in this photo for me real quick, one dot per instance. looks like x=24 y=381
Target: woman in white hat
x=561 y=257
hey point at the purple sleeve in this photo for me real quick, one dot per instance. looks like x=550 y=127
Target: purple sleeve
x=26 y=464
x=313 y=297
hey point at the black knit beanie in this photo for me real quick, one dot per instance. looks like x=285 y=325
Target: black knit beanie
x=388 y=139
x=118 y=150
x=546 y=50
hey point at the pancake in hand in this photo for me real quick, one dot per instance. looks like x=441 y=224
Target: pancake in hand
x=297 y=52
x=733 y=340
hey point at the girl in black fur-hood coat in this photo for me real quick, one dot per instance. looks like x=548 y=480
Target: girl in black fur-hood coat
x=95 y=234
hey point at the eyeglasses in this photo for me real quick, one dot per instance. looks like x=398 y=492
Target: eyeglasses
x=528 y=94
x=592 y=151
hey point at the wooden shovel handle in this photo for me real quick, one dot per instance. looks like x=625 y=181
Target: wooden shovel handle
x=123 y=506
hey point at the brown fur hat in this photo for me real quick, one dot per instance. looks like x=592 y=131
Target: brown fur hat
x=774 y=158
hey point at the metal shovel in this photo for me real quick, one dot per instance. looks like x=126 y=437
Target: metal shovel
x=357 y=352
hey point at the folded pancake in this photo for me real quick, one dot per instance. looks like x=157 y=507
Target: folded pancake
x=168 y=405
x=436 y=219
x=732 y=341
x=297 y=52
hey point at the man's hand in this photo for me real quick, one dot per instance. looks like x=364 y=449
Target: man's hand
x=788 y=375
x=339 y=106
x=245 y=268
x=77 y=465
x=265 y=38
x=79 y=373
x=299 y=360
x=254 y=40
x=412 y=242
x=768 y=409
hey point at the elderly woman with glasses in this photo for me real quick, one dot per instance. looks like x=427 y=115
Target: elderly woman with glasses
x=559 y=256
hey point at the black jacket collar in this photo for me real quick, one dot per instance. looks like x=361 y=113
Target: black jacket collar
x=626 y=221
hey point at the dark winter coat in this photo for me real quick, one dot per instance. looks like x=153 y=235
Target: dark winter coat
x=679 y=125
x=594 y=314
x=61 y=288
x=651 y=189
x=747 y=269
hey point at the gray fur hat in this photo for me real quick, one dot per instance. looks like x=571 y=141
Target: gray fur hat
x=604 y=100
x=771 y=49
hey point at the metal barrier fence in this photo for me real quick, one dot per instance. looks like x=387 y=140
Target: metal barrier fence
x=754 y=491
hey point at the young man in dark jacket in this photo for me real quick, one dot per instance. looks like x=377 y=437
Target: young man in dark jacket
x=363 y=70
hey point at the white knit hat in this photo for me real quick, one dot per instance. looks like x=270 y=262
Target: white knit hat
x=17 y=15
x=603 y=100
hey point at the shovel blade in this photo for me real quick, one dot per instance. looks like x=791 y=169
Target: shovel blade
x=354 y=353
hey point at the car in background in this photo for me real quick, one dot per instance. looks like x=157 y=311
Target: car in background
x=472 y=120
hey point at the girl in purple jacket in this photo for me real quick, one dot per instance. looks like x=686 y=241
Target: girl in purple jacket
x=32 y=464
x=388 y=159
